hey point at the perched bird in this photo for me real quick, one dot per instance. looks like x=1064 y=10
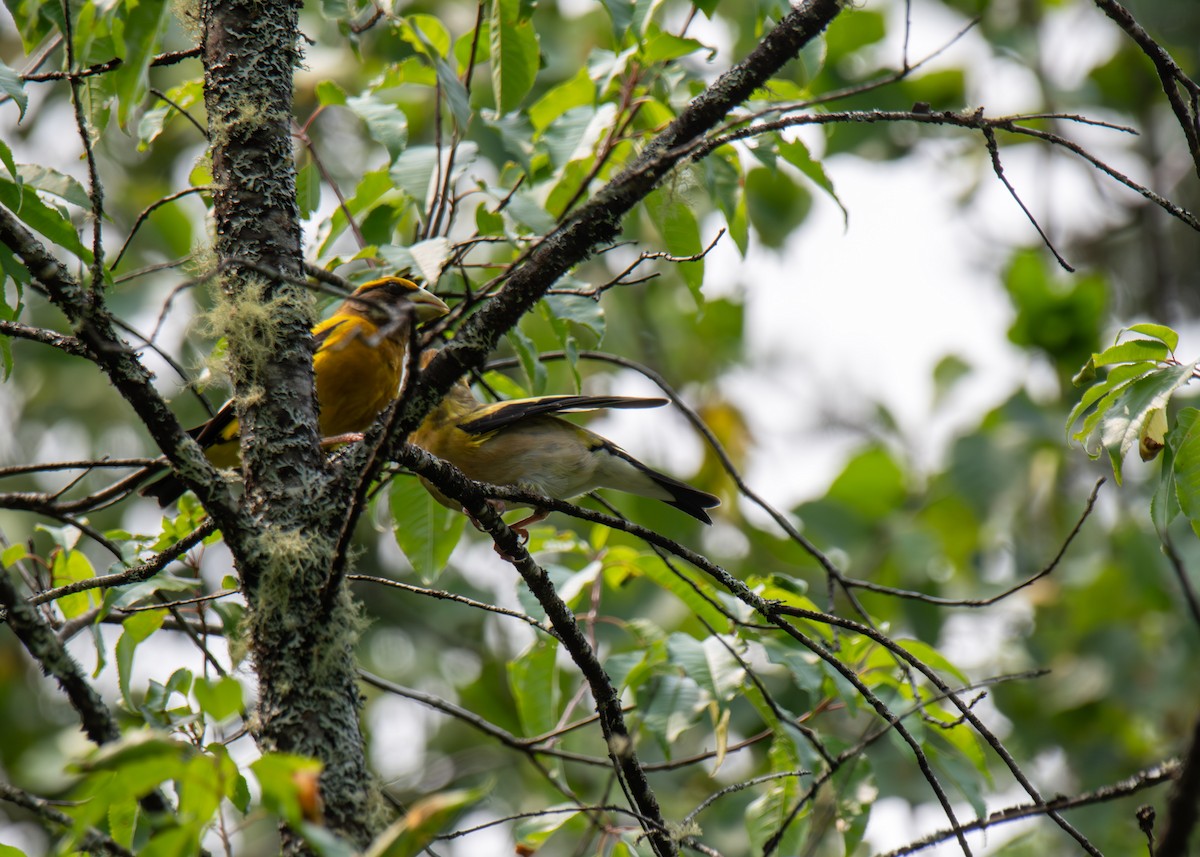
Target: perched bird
x=359 y=360
x=521 y=443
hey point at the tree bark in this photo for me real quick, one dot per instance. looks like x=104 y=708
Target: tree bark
x=308 y=698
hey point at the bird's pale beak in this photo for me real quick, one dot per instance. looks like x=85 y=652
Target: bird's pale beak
x=427 y=305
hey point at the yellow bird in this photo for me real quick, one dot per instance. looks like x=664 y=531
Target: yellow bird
x=521 y=443
x=359 y=360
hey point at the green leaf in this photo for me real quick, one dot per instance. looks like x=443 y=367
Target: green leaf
x=42 y=218
x=329 y=92
x=308 y=189
x=219 y=698
x=691 y=593
x=285 y=780
x=643 y=14
x=673 y=706
x=427 y=34
x=371 y=188
x=1133 y=351
x=680 y=233
x=1158 y=331
x=527 y=353
x=426 y=531
x=776 y=205
x=135 y=630
x=6 y=158
x=13 y=554
x=138 y=36
x=577 y=309
x=432 y=39
x=930 y=656
x=413 y=171
x=411 y=835
x=386 y=123
x=578 y=91
x=1184 y=440
x=797 y=154
x=1116 y=379
x=1164 y=505
x=620 y=13
x=533 y=679
x=709 y=663
x=532 y=833
x=53 y=182
x=72 y=566
x=514 y=55
x=663 y=47
x=1121 y=422
x=12 y=86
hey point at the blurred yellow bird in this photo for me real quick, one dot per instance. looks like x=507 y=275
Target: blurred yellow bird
x=358 y=364
x=521 y=443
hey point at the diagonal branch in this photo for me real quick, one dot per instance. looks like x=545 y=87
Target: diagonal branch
x=94 y=328
x=1170 y=75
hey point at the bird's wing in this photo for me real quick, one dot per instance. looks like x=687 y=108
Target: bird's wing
x=216 y=429
x=501 y=414
x=323 y=331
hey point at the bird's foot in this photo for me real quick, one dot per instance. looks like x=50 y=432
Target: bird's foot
x=339 y=439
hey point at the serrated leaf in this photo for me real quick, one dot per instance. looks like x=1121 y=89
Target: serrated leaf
x=514 y=49
x=533 y=679
x=1164 y=505
x=426 y=531
x=138 y=35
x=12 y=86
x=1116 y=380
x=386 y=123
x=1184 y=439
x=45 y=219
x=1121 y=422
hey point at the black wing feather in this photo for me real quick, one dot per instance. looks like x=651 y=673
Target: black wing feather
x=504 y=414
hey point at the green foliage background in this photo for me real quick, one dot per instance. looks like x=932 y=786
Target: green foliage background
x=1108 y=623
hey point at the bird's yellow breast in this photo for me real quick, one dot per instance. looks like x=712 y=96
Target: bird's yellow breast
x=357 y=376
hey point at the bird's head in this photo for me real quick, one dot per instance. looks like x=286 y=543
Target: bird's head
x=389 y=299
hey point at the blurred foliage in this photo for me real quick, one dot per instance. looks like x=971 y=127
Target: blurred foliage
x=560 y=98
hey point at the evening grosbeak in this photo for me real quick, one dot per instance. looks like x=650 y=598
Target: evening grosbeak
x=521 y=443
x=359 y=360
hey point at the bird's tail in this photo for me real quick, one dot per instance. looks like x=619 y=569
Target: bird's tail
x=637 y=478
